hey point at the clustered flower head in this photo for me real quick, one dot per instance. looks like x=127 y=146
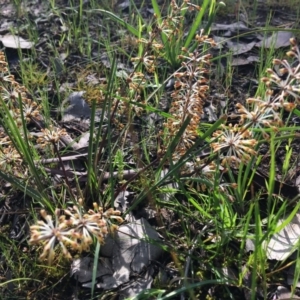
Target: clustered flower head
x=10 y=160
x=149 y=61
x=188 y=98
x=287 y=81
x=50 y=135
x=236 y=143
x=136 y=82
x=73 y=229
x=282 y=93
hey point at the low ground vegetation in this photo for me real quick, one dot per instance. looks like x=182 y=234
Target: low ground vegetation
x=141 y=137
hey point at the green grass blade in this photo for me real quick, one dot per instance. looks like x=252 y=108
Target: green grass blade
x=120 y=21
x=173 y=294
x=22 y=145
x=272 y=175
x=3 y=284
x=95 y=267
x=164 y=37
x=91 y=155
x=211 y=16
x=256 y=256
x=25 y=146
x=156 y=9
x=20 y=185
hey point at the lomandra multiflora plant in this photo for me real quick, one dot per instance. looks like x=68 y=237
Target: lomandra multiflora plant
x=73 y=229
x=188 y=98
x=237 y=142
x=190 y=88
